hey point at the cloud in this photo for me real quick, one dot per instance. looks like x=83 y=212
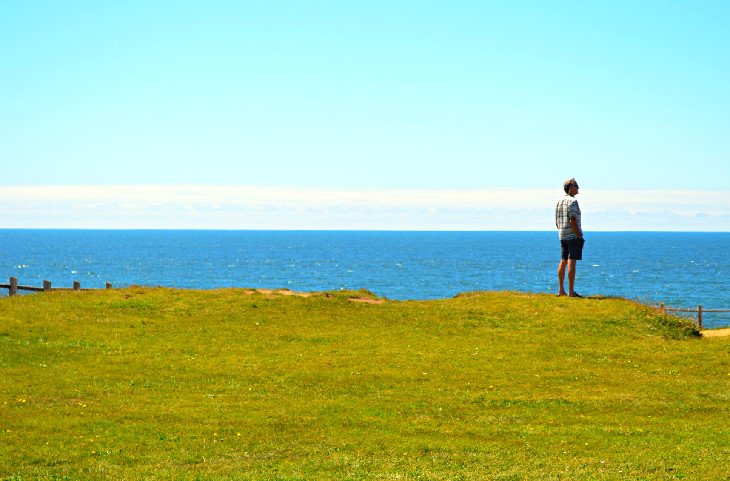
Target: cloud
x=252 y=207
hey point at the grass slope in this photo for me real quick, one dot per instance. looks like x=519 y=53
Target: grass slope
x=218 y=385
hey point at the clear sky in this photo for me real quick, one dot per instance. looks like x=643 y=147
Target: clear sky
x=404 y=96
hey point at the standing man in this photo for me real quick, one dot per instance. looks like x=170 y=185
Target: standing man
x=567 y=220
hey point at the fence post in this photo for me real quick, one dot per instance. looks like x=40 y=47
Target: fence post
x=108 y=285
x=13 y=286
x=699 y=316
x=46 y=286
x=77 y=286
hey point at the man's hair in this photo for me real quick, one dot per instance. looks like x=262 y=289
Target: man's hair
x=568 y=183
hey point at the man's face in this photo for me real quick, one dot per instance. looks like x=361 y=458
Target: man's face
x=574 y=189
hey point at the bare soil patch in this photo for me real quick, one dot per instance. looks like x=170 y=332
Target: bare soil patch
x=277 y=292
x=716 y=332
x=367 y=300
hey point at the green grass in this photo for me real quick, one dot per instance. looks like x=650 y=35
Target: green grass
x=141 y=384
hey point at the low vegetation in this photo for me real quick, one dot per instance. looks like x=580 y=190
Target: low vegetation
x=161 y=384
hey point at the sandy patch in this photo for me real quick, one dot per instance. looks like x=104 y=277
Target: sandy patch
x=716 y=332
x=277 y=292
x=367 y=300
x=287 y=292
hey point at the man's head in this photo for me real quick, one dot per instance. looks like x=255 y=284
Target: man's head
x=570 y=185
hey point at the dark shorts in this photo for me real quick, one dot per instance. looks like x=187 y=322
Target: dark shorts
x=572 y=249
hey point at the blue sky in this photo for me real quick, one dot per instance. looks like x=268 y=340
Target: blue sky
x=360 y=97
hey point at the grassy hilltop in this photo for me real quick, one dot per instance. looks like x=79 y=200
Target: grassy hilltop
x=140 y=384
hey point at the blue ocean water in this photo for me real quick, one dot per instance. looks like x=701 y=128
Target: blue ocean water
x=679 y=269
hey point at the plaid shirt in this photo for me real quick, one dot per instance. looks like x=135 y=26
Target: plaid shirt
x=567 y=209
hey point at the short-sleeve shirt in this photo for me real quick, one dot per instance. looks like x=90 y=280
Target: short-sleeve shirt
x=566 y=209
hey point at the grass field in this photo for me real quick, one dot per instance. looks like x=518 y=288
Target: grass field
x=142 y=383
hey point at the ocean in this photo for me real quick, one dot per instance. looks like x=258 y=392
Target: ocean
x=678 y=269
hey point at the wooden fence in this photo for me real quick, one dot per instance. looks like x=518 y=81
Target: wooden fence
x=699 y=311
x=13 y=287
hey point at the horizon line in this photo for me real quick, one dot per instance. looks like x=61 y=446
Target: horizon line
x=202 y=229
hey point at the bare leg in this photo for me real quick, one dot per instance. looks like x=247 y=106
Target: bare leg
x=561 y=277
x=571 y=276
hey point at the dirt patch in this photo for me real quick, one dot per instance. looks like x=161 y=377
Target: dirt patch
x=277 y=292
x=287 y=292
x=367 y=300
x=716 y=332
x=293 y=293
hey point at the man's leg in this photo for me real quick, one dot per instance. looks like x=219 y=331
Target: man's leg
x=571 y=276
x=561 y=276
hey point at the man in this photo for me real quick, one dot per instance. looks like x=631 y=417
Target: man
x=567 y=220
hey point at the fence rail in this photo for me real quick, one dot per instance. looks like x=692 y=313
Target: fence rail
x=13 y=287
x=699 y=310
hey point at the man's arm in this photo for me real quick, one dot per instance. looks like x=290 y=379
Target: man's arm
x=574 y=226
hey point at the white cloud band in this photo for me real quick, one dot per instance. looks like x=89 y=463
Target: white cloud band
x=248 y=207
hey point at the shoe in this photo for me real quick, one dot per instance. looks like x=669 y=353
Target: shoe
x=575 y=294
